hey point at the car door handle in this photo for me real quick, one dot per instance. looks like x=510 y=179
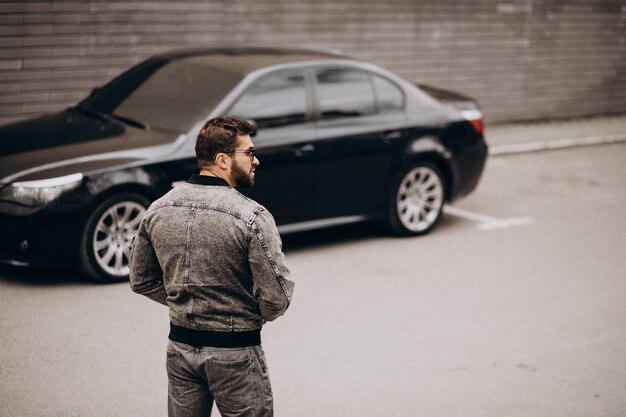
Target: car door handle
x=394 y=134
x=304 y=150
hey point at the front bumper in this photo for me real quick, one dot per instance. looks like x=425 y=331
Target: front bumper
x=41 y=239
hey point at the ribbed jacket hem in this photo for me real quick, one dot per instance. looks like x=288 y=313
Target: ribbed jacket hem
x=214 y=339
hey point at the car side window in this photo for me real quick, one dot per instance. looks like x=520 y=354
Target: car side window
x=344 y=93
x=274 y=102
x=388 y=95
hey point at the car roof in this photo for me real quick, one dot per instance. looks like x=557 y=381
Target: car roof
x=245 y=60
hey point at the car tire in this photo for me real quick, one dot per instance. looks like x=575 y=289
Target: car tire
x=107 y=237
x=417 y=199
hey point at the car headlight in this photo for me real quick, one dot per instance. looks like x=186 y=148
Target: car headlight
x=40 y=192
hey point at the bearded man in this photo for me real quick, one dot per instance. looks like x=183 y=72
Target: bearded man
x=214 y=257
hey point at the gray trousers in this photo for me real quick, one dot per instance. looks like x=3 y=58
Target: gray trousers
x=236 y=379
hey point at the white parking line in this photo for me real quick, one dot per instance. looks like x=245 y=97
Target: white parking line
x=486 y=222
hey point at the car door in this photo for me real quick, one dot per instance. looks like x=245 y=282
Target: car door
x=284 y=180
x=360 y=120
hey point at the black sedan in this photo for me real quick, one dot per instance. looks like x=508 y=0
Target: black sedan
x=339 y=141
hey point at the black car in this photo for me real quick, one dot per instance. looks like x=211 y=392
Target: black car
x=339 y=141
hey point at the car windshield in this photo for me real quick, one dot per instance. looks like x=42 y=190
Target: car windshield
x=163 y=94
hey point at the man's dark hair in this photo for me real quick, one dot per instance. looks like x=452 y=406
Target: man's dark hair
x=220 y=135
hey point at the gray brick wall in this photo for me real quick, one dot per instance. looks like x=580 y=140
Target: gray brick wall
x=522 y=59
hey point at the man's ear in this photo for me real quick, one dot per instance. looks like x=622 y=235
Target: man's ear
x=221 y=160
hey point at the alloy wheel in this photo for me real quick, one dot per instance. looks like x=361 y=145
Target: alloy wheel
x=113 y=236
x=419 y=199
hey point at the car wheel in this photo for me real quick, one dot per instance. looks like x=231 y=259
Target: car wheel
x=107 y=237
x=417 y=200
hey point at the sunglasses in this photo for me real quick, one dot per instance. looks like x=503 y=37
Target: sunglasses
x=249 y=152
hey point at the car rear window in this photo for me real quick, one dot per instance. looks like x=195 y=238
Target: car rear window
x=350 y=93
x=388 y=95
x=344 y=93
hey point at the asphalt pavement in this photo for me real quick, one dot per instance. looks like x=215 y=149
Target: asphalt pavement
x=517 y=321
x=521 y=137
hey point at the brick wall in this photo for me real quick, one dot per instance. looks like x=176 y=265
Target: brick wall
x=523 y=59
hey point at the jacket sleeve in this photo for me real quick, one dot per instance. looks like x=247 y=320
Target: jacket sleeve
x=271 y=284
x=146 y=276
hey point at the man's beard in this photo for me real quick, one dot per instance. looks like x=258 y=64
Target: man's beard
x=242 y=179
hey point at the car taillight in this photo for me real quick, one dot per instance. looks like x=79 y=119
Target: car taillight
x=475 y=117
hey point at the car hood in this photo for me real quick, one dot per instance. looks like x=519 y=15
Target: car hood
x=69 y=141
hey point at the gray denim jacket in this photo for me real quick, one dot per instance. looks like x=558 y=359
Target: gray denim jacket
x=213 y=256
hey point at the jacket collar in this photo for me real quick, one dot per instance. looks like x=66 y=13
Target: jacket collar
x=207 y=180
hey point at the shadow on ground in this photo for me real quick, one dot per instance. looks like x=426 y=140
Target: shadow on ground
x=333 y=236
x=356 y=232
x=293 y=242
x=42 y=276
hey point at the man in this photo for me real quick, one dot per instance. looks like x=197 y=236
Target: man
x=214 y=257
